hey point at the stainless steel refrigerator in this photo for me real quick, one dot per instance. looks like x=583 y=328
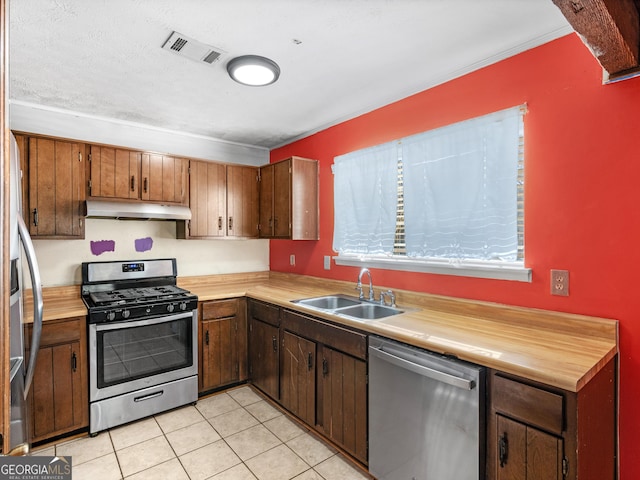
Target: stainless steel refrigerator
x=21 y=368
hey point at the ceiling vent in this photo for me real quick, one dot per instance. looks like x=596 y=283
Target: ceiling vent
x=190 y=48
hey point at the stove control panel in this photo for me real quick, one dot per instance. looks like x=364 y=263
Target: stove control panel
x=132 y=313
x=133 y=267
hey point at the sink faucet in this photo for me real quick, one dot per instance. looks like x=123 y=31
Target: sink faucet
x=359 y=284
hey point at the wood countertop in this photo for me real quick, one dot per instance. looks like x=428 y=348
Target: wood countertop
x=558 y=349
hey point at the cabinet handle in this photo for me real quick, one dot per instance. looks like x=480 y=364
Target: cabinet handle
x=74 y=362
x=206 y=338
x=220 y=223
x=325 y=367
x=133 y=183
x=503 y=449
x=230 y=223
x=274 y=340
x=35 y=217
x=145 y=184
x=309 y=362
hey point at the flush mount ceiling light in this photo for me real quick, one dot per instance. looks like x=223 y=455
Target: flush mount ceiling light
x=253 y=70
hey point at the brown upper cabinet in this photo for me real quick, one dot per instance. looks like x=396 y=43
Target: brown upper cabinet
x=123 y=174
x=242 y=201
x=289 y=199
x=114 y=173
x=223 y=201
x=164 y=178
x=54 y=169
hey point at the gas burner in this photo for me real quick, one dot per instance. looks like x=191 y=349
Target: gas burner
x=116 y=291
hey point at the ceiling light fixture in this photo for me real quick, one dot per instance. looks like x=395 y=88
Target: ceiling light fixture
x=253 y=70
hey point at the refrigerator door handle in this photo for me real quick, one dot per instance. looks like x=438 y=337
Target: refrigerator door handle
x=36 y=286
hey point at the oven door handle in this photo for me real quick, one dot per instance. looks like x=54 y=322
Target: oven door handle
x=101 y=327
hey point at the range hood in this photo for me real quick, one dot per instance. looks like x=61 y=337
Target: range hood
x=136 y=210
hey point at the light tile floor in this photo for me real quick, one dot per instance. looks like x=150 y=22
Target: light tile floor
x=233 y=435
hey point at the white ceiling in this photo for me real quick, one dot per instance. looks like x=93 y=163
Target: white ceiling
x=104 y=57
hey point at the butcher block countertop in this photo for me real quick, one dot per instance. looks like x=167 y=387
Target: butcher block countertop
x=558 y=349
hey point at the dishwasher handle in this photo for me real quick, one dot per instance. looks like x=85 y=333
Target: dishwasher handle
x=422 y=370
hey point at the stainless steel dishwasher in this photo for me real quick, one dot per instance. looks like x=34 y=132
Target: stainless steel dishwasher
x=426 y=414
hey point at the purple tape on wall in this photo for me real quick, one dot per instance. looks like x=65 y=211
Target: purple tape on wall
x=144 y=244
x=101 y=246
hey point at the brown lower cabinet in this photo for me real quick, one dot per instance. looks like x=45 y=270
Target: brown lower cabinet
x=223 y=343
x=58 y=399
x=264 y=334
x=314 y=369
x=342 y=401
x=538 y=432
x=298 y=377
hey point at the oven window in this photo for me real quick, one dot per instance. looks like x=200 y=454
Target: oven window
x=130 y=353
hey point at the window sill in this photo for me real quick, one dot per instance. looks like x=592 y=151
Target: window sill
x=497 y=271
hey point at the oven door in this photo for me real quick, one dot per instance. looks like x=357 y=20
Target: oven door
x=130 y=355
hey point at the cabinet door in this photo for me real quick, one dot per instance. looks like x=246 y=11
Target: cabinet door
x=114 y=172
x=57 y=392
x=164 y=178
x=242 y=201
x=263 y=357
x=220 y=353
x=266 y=201
x=298 y=377
x=282 y=199
x=342 y=414
x=207 y=199
x=56 y=194
x=526 y=453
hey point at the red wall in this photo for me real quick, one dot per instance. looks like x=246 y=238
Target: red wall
x=582 y=205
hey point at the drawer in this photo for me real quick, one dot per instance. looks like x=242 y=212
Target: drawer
x=57 y=332
x=338 y=338
x=266 y=312
x=219 y=309
x=531 y=405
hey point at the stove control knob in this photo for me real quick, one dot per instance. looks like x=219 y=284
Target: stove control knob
x=111 y=316
x=183 y=306
x=171 y=307
x=125 y=313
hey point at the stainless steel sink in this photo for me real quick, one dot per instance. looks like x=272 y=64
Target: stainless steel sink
x=329 y=302
x=369 y=311
x=350 y=307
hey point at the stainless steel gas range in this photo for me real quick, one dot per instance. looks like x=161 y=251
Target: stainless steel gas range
x=143 y=332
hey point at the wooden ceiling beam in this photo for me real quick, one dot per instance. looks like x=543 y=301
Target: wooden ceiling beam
x=610 y=28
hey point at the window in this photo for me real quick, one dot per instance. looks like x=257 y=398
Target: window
x=449 y=200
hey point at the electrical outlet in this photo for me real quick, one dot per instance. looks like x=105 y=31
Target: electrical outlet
x=292 y=260
x=327 y=262
x=560 y=282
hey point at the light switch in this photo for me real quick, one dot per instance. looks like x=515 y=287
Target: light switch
x=327 y=262
x=292 y=260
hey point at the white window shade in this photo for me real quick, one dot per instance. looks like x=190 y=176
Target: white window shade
x=460 y=189
x=365 y=195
